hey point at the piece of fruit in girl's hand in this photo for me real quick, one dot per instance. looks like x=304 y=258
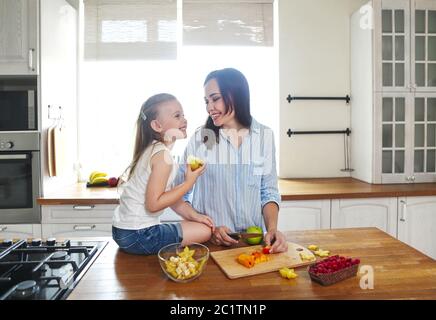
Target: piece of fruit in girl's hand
x=195 y=162
x=254 y=240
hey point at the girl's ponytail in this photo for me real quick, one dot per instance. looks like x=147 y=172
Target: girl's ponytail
x=145 y=135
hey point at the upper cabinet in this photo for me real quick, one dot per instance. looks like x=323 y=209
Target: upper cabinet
x=405 y=46
x=393 y=89
x=18 y=37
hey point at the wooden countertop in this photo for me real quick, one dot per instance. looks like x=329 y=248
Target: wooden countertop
x=290 y=189
x=400 y=272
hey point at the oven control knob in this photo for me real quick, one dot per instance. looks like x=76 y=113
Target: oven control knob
x=36 y=242
x=51 y=241
x=9 y=145
x=7 y=242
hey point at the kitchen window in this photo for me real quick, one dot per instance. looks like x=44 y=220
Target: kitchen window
x=136 y=49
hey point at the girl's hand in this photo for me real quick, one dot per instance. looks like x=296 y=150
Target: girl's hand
x=192 y=176
x=278 y=241
x=202 y=218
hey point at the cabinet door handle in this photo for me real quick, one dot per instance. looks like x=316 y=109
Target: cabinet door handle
x=404 y=211
x=3 y=228
x=83 y=207
x=31 y=50
x=413 y=178
x=89 y=227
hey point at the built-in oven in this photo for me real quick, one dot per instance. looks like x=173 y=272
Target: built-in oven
x=18 y=104
x=20 y=182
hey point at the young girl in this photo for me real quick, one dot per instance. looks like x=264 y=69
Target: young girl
x=136 y=225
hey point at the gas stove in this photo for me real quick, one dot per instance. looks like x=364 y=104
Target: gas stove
x=44 y=270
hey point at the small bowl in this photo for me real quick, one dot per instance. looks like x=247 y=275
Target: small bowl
x=199 y=261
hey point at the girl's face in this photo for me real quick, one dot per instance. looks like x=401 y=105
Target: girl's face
x=170 y=121
x=215 y=104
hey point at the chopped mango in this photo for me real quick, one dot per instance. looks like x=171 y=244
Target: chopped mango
x=307 y=257
x=322 y=253
x=288 y=273
x=312 y=247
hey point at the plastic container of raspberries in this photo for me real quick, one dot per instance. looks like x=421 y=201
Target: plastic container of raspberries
x=333 y=269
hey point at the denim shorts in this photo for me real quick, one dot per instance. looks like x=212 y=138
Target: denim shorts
x=148 y=240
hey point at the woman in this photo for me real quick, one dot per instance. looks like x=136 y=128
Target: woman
x=239 y=188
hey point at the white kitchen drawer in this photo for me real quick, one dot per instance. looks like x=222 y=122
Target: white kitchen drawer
x=20 y=231
x=72 y=230
x=101 y=213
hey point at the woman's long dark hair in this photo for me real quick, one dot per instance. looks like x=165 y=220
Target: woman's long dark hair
x=236 y=95
x=145 y=134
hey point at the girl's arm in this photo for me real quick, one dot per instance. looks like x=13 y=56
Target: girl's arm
x=156 y=198
x=186 y=211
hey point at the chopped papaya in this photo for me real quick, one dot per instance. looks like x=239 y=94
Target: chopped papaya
x=246 y=260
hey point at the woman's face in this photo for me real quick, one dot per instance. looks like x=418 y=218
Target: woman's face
x=215 y=104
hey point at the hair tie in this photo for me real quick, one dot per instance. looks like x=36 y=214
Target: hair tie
x=143 y=116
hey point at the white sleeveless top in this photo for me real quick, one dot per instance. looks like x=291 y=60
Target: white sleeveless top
x=131 y=214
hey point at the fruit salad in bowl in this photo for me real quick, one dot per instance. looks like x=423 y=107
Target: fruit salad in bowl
x=183 y=263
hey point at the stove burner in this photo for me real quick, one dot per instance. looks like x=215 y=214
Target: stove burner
x=60 y=255
x=26 y=289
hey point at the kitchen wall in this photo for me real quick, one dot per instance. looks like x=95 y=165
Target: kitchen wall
x=314 y=60
x=58 y=85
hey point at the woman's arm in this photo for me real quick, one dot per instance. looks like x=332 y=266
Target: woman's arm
x=156 y=198
x=273 y=236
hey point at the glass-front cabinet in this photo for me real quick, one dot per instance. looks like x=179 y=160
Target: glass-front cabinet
x=395 y=46
x=405 y=85
x=423 y=53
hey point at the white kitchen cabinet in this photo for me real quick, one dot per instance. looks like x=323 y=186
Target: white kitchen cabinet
x=304 y=215
x=74 y=230
x=417 y=223
x=393 y=89
x=20 y=231
x=77 y=220
x=19 y=37
x=366 y=212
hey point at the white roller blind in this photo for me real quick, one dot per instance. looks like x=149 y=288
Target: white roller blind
x=130 y=29
x=225 y=22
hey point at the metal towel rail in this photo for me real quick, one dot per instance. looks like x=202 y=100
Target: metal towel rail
x=347 y=98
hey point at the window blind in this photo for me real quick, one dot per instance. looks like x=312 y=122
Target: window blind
x=226 y=22
x=130 y=29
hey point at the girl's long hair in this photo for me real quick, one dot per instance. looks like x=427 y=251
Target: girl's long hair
x=145 y=134
x=236 y=95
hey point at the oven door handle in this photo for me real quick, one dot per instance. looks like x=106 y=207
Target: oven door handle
x=13 y=156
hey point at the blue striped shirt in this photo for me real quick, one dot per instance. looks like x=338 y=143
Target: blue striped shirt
x=237 y=182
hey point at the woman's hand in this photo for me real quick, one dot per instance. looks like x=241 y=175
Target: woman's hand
x=220 y=237
x=278 y=240
x=202 y=218
x=192 y=176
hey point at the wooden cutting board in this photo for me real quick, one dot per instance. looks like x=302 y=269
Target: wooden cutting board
x=50 y=153
x=227 y=260
x=60 y=149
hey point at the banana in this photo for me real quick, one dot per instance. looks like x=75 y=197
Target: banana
x=99 y=180
x=96 y=174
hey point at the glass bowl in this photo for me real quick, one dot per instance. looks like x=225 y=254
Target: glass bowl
x=183 y=263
